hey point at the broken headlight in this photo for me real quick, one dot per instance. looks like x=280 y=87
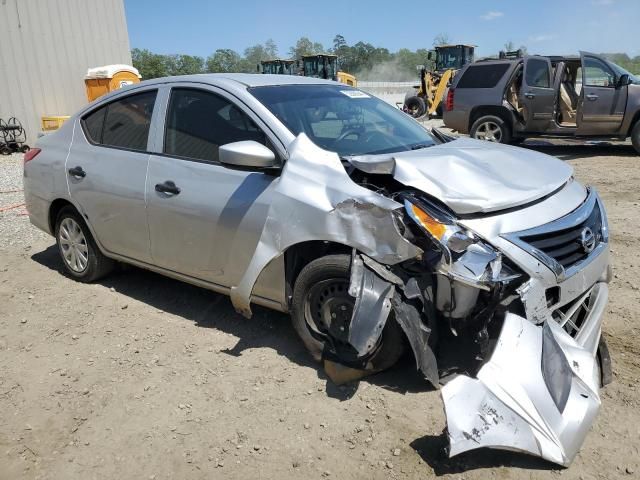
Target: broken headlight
x=441 y=227
x=466 y=257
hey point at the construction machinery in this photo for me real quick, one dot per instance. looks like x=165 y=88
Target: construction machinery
x=325 y=65
x=279 y=66
x=445 y=61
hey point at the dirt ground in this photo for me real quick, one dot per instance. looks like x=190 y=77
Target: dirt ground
x=139 y=376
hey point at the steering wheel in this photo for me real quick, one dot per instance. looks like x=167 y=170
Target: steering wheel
x=346 y=133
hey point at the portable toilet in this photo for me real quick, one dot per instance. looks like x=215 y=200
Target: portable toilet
x=101 y=80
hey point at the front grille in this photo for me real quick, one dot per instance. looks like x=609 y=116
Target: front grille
x=566 y=246
x=572 y=316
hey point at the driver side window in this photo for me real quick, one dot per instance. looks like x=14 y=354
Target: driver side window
x=199 y=122
x=597 y=73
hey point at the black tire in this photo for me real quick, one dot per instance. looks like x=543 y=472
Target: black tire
x=315 y=275
x=415 y=106
x=4 y=150
x=97 y=265
x=490 y=128
x=25 y=148
x=635 y=136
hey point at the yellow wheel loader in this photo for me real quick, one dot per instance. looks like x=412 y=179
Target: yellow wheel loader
x=326 y=66
x=428 y=96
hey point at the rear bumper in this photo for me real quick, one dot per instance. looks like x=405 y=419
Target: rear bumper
x=523 y=399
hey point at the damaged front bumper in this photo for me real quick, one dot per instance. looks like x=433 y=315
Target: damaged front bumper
x=538 y=393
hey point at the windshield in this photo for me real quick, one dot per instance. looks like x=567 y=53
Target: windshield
x=621 y=71
x=342 y=119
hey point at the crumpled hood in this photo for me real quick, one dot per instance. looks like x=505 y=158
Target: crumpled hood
x=473 y=176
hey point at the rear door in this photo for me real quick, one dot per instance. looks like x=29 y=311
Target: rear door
x=537 y=96
x=205 y=219
x=602 y=103
x=106 y=170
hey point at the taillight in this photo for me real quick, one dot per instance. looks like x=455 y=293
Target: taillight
x=449 y=103
x=30 y=154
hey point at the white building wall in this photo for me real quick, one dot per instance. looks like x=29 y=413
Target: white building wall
x=46 y=47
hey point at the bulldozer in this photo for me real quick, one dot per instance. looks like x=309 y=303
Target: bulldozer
x=325 y=66
x=427 y=97
x=279 y=66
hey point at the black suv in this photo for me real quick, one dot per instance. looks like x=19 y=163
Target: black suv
x=510 y=99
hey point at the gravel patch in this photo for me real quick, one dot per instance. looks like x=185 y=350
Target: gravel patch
x=15 y=228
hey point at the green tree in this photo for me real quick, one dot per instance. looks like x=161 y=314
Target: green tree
x=441 y=39
x=150 y=65
x=304 y=46
x=223 y=61
x=184 y=64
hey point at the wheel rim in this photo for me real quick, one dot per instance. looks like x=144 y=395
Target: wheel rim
x=328 y=310
x=489 y=131
x=73 y=245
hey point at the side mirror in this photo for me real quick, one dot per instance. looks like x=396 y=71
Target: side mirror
x=248 y=153
x=624 y=80
x=431 y=55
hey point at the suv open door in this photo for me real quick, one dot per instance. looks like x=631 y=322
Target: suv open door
x=537 y=96
x=602 y=101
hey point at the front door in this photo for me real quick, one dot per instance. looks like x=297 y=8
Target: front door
x=537 y=96
x=106 y=171
x=205 y=219
x=602 y=103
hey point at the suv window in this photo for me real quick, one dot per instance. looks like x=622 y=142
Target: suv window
x=198 y=122
x=537 y=73
x=483 y=76
x=123 y=123
x=597 y=73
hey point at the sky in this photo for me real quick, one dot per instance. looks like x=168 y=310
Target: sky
x=199 y=27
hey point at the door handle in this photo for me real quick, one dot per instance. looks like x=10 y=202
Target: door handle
x=592 y=97
x=530 y=95
x=77 y=172
x=167 y=187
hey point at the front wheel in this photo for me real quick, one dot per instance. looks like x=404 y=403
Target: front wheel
x=491 y=129
x=321 y=313
x=80 y=255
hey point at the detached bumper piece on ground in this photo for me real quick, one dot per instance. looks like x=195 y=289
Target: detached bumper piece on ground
x=537 y=394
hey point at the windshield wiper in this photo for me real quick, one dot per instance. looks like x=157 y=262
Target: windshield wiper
x=419 y=146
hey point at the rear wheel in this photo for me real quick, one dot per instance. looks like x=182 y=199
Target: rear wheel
x=80 y=255
x=415 y=106
x=321 y=313
x=490 y=128
x=635 y=136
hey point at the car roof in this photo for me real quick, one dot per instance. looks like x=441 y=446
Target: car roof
x=246 y=79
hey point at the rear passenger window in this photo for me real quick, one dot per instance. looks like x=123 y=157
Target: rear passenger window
x=483 y=76
x=537 y=73
x=124 y=123
x=198 y=122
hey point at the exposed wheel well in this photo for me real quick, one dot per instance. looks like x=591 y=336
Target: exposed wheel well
x=54 y=209
x=500 y=112
x=298 y=256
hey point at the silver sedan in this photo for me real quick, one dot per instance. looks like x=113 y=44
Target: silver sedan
x=375 y=234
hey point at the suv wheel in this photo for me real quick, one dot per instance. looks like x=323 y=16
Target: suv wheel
x=321 y=311
x=80 y=255
x=491 y=129
x=635 y=136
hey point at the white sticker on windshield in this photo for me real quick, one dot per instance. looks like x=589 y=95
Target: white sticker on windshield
x=354 y=94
